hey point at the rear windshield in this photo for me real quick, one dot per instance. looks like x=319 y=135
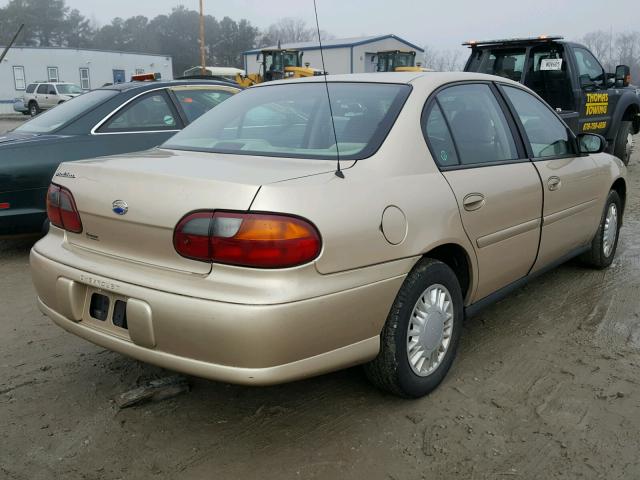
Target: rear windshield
x=52 y=119
x=507 y=63
x=293 y=120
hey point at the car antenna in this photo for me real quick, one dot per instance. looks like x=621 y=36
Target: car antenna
x=338 y=171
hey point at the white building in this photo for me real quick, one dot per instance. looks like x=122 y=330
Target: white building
x=341 y=55
x=84 y=67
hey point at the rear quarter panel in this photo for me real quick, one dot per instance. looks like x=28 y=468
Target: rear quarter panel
x=348 y=212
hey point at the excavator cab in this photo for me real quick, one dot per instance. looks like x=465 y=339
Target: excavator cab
x=397 y=61
x=278 y=64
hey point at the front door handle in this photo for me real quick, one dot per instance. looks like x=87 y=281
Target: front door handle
x=554 y=183
x=473 y=201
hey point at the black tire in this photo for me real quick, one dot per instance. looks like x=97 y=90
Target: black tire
x=391 y=370
x=33 y=109
x=596 y=256
x=26 y=113
x=620 y=148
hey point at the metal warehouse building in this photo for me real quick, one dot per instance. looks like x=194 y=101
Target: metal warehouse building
x=342 y=55
x=86 y=68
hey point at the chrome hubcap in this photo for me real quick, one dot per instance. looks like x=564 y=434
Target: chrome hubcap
x=629 y=146
x=610 y=230
x=429 y=330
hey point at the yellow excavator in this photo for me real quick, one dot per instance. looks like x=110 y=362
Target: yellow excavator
x=398 y=61
x=277 y=64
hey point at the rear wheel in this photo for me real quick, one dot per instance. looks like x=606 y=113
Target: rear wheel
x=33 y=109
x=605 y=243
x=421 y=334
x=624 y=142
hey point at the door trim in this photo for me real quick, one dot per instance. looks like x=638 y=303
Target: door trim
x=562 y=214
x=508 y=233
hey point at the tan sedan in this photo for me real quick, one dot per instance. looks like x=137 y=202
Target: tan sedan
x=241 y=251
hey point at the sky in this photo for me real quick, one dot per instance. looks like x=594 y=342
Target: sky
x=440 y=24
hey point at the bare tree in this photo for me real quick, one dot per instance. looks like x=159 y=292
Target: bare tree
x=288 y=30
x=601 y=44
x=619 y=49
x=441 y=60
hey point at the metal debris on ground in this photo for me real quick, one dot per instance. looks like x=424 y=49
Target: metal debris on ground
x=154 y=391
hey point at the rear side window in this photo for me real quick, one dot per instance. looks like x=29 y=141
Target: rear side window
x=31 y=88
x=43 y=88
x=439 y=138
x=547 y=135
x=149 y=112
x=478 y=125
x=198 y=101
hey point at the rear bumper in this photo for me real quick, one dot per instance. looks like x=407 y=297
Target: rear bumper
x=230 y=342
x=22 y=221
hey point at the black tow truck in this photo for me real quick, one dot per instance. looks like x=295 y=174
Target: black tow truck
x=570 y=79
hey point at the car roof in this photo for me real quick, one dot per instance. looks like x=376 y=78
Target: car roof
x=434 y=78
x=123 y=87
x=39 y=82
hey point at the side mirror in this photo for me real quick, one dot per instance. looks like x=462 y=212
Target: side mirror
x=623 y=76
x=591 y=143
x=257 y=57
x=585 y=82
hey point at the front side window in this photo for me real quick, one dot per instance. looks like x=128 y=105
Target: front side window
x=198 y=101
x=52 y=73
x=149 y=112
x=68 y=89
x=293 y=120
x=65 y=112
x=439 y=138
x=588 y=66
x=18 y=78
x=478 y=125
x=547 y=135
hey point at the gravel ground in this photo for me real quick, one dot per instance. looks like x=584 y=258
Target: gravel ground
x=545 y=386
x=9 y=122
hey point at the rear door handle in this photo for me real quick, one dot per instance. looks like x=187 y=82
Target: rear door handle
x=554 y=183
x=473 y=201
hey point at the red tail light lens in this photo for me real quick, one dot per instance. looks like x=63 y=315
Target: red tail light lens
x=261 y=240
x=61 y=209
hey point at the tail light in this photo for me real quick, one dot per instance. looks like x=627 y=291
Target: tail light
x=61 y=209
x=261 y=240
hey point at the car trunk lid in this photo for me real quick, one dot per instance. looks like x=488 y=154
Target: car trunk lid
x=130 y=204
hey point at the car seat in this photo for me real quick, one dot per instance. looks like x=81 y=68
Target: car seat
x=474 y=135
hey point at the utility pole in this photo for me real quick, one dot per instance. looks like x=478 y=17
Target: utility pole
x=13 y=40
x=203 y=70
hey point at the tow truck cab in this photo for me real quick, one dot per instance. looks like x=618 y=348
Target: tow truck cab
x=571 y=80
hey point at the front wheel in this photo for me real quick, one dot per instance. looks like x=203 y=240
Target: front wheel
x=624 y=142
x=605 y=243
x=421 y=335
x=33 y=109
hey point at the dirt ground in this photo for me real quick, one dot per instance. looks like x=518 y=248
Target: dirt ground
x=546 y=385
